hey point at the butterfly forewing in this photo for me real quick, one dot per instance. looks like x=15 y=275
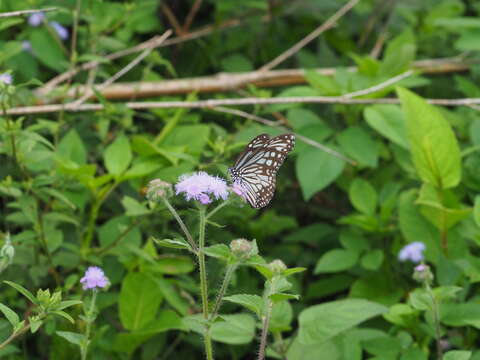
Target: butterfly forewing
x=255 y=169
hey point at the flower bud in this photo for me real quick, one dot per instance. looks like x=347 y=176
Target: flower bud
x=277 y=266
x=423 y=274
x=157 y=189
x=243 y=248
x=7 y=252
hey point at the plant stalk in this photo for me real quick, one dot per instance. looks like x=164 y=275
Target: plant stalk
x=223 y=288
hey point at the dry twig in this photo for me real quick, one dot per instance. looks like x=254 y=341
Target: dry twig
x=314 y=34
x=26 y=12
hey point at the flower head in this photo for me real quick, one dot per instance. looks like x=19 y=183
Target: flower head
x=6 y=78
x=94 y=278
x=157 y=189
x=199 y=186
x=243 y=249
x=422 y=273
x=61 y=30
x=413 y=252
x=36 y=19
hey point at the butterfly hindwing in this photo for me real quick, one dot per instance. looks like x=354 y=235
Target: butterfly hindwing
x=256 y=168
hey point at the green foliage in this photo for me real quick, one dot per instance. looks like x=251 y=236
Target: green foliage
x=72 y=184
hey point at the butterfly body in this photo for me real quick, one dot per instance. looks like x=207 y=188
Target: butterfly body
x=256 y=168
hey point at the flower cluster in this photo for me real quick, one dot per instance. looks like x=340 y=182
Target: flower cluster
x=94 y=278
x=413 y=252
x=202 y=187
x=38 y=18
x=6 y=78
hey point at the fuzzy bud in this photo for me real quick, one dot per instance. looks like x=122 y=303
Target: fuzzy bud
x=423 y=273
x=277 y=266
x=243 y=248
x=157 y=189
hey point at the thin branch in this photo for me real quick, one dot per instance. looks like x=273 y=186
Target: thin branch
x=383 y=34
x=211 y=103
x=380 y=86
x=25 y=12
x=314 y=34
x=172 y=19
x=234 y=81
x=191 y=15
x=274 y=124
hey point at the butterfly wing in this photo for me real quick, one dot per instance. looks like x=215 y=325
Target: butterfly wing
x=257 y=167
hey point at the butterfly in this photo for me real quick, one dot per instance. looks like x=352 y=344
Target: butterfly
x=256 y=168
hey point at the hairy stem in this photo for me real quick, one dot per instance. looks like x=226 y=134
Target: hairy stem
x=203 y=281
x=84 y=347
x=436 y=320
x=265 y=325
x=182 y=224
x=223 y=288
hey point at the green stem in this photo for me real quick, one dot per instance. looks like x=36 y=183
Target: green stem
x=182 y=224
x=14 y=335
x=266 y=317
x=436 y=320
x=90 y=317
x=203 y=281
x=223 y=288
x=221 y=205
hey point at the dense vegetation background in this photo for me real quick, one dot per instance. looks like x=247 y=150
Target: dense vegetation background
x=73 y=182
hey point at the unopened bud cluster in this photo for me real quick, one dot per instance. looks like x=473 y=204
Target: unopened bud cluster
x=157 y=189
x=7 y=252
x=423 y=273
x=277 y=266
x=243 y=248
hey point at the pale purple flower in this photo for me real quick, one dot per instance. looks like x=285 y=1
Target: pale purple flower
x=36 y=19
x=61 y=30
x=6 y=78
x=27 y=46
x=238 y=189
x=94 y=278
x=413 y=252
x=421 y=268
x=199 y=186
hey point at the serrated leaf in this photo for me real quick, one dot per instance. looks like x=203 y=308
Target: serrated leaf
x=23 y=291
x=11 y=316
x=264 y=269
x=251 y=302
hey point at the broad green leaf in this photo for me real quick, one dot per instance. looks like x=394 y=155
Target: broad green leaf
x=64 y=315
x=139 y=300
x=48 y=50
x=389 y=121
x=278 y=297
x=236 y=329
x=172 y=295
x=219 y=251
x=299 y=351
x=11 y=316
x=316 y=170
x=322 y=322
x=251 y=302
x=118 y=155
x=300 y=117
x=462 y=314
x=457 y=355
x=173 y=264
x=336 y=260
x=372 y=260
x=363 y=196
x=281 y=317
x=119 y=229
x=325 y=85
x=236 y=63
x=435 y=151
x=71 y=148
x=177 y=243
x=133 y=207
x=476 y=210
x=74 y=338
x=294 y=270
x=359 y=145
x=399 y=54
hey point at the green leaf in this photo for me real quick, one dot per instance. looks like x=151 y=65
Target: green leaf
x=177 y=243
x=251 y=302
x=35 y=325
x=359 y=145
x=23 y=291
x=140 y=297
x=316 y=170
x=372 y=260
x=336 y=260
x=322 y=322
x=476 y=210
x=118 y=155
x=325 y=85
x=219 y=251
x=399 y=54
x=48 y=50
x=64 y=315
x=278 y=297
x=67 y=303
x=172 y=295
x=173 y=264
x=236 y=329
x=133 y=207
x=363 y=196
x=457 y=355
x=435 y=151
x=71 y=148
x=463 y=314
x=264 y=269
x=74 y=338
x=11 y=316
x=294 y=270
x=389 y=121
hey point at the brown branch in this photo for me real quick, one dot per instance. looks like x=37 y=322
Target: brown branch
x=191 y=15
x=314 y=34
x=232 y=81
x=25 y=12
x=203 y=104
x=172 y=19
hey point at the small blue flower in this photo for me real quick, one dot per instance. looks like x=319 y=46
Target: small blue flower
x=61 y=30
x=200 y=186
x=413 y=252
x=6 y=78
x=36 y=19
